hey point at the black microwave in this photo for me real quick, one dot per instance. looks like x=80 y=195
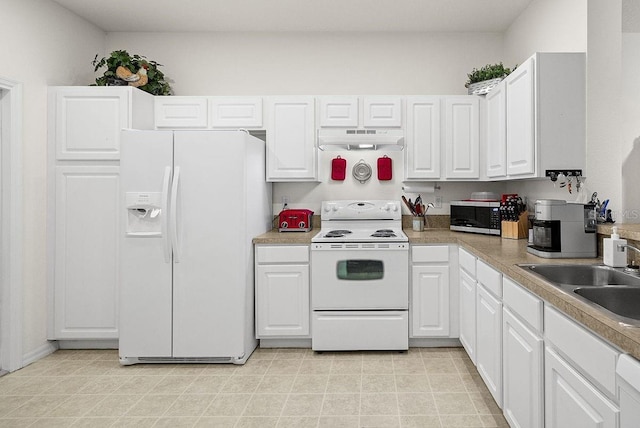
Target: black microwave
x=476 y=217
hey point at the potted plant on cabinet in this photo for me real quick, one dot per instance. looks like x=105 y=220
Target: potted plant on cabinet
x=132 y=70
x=480 y=81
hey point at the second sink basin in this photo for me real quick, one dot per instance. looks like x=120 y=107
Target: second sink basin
x=583 y=275
x=624 y=301
x=608 y=289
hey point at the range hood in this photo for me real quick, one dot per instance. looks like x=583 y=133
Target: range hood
x=360 y=139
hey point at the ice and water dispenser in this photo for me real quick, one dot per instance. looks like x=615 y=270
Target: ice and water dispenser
x=144 y=213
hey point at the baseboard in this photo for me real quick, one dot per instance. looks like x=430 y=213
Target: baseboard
x=444 y=342
x=285 y=343
x=40 y=352
x=88 y=344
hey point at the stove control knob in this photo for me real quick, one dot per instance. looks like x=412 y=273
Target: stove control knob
x=395 y=208
x=387 y=207
x=334 y=208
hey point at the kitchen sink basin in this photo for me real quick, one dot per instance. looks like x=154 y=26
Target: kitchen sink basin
x=583 y=275
x=604 y=288
x=623 y=301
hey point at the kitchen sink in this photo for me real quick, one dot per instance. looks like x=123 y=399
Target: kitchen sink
x=624 y=301
x=583 y=275
x=608 y=289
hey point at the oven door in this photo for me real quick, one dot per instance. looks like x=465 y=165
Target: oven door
x=359 y=276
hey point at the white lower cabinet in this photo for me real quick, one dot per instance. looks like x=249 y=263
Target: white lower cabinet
x=571 y=401
x=86 y=252
x=522 y=357
x=489 y=341
x=467 y=301
x=430 y=292
x=468 y=314
x=282 y=291
x=522 y=371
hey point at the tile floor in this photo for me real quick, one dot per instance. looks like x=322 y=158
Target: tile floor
x=423 y=387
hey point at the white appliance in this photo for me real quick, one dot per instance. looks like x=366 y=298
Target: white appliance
x=360 y=277
x=193 y=202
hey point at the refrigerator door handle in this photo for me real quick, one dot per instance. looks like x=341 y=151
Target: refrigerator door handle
x=166 y=183
x=174 y=215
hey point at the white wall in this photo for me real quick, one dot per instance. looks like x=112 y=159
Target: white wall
x=630 y=111
x=605 y=151
x=547 y=26
x=42 y=44
x=314 y=63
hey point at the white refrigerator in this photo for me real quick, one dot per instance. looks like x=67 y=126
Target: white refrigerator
x=192 y=202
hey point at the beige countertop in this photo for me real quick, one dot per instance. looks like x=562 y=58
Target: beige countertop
x=505 y=255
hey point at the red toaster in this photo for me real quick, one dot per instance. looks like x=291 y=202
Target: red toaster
x=296 y=220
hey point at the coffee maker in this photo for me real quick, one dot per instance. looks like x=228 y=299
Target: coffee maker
x=564 y=229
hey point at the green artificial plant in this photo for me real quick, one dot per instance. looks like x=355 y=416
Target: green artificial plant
x=488 y=72
x=157 y=85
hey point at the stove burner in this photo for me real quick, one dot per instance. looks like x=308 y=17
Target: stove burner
x=339 y=233
x=384 y=233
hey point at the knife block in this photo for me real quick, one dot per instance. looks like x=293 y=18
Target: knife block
x=516 y=229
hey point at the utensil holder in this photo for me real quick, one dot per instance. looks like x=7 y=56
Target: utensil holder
x=418 y=224
x=516 y=229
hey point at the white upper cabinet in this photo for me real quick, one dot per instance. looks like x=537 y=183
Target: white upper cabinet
x=235 y=112
x=520 y=120
x=462 y=137
x=208 y=112
x=422 y=138
x=385 y=112
x=339 y=112
x=496 y=141
x=536 y=118
x=354 y=112
x=442 y=131
x=87 y=120
x=181 y=112
x=291 y=150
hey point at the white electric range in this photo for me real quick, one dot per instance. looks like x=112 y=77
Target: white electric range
x=359 y=277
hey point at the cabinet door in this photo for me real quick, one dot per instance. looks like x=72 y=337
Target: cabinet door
x=422 y=138
x=88 y=122
x=181 y=112
x=86 y=252
x=496 y=132
x=520 y=86
x=282 y=300
x=236 y=112
x=383 y=112
x=571 y=401
x=468 y=314
x=523 y=374
x=462 y=137
x=430 y=301
x=489 y=342
x=339 y=112
x=291 y=151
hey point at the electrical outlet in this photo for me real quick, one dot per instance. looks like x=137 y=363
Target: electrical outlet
x=437 y=203
x=285 y=200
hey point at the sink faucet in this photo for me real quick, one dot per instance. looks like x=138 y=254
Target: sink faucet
x=623 y=246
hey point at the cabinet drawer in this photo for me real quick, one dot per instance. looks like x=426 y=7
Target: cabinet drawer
x=429 y=253
x=467 y=262
x=282 y=254
x=596 y=359
x=489 y=277
x=360 y=330
x=527 y=306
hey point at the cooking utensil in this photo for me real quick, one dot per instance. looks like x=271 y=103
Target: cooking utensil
x=408 y=205
x=362 y=171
